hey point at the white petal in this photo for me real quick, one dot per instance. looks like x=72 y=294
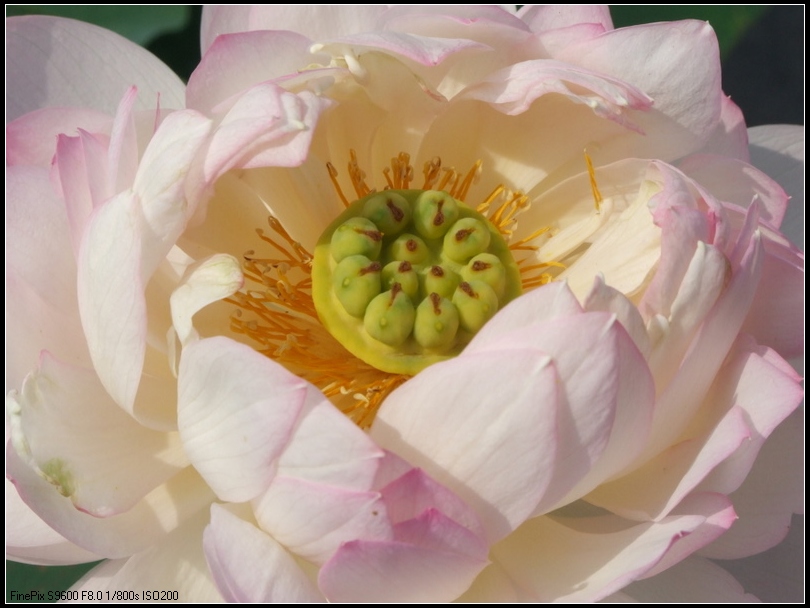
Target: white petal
x=236 y=413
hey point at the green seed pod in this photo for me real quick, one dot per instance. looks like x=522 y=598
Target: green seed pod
x=489 y=269
x=389 y=211
x=404 y=274
x=476 y=303
x=434 y=213
x=440 y=280
x=356 y=236
x=467 y=237
x=409 y=248
x=389 y=317
x=356 y=281
x=436 y=323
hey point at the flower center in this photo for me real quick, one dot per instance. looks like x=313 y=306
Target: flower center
x=405 y=278
x=391 y=256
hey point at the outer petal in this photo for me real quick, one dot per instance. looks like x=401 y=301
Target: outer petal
x=730 y=138
x=734 y=181
x=678 y=65
x=174 y=564
x=120 y=535
x=543 y=18
x=31 y=541
x=778 y=150
x=66 y=427
x=585 y=559
x=695 y=580
x=770 y=493
x=497 y=453
x=40 y=289
x=236 y=412
x=44 y=66
x=316 y=23
x=250 y=566
x=776 y=575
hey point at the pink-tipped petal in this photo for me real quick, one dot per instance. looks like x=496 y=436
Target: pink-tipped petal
x=313 y=520
x=40 y=277
x=248 y=565
x=236 y=62
x=30 y=138
x=483 y=425
x=267 y=126
x=734 y=181
x=434 y=559
x=607 y=394
x=676 y=64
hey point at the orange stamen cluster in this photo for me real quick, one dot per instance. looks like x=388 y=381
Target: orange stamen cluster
x=277 y=312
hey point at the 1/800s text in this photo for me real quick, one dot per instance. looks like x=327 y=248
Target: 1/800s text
x=89 y=596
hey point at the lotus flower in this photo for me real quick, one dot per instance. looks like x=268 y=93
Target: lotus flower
x=185 y=390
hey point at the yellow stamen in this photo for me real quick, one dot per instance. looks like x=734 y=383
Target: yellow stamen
x=597 y=196
x=276 y=308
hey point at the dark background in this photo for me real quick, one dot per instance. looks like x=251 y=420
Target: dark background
x=763 y=71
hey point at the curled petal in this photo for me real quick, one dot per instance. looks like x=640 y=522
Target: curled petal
x=204 y=282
